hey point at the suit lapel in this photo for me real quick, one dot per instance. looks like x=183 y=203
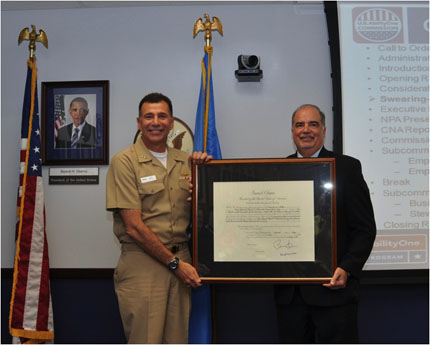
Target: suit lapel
x=324 y=153
x=85 y=135
x=69 y=130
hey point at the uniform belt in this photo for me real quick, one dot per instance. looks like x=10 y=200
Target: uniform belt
x=177 y=247
x=174 y=248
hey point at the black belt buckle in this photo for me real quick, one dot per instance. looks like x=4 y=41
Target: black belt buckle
x=174 y=249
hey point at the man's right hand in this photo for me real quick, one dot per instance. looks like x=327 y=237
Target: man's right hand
x=188 y=274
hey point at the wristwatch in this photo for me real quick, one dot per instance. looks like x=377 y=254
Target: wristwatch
x=173 y=264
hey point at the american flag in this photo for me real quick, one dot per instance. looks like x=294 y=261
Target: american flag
x=31 y=318
x=59 y=114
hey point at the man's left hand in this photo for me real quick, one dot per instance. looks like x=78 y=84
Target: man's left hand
x=198 y=157
x=339 y=279
x=188 y=274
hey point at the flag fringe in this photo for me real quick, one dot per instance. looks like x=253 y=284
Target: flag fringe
x=33 y=336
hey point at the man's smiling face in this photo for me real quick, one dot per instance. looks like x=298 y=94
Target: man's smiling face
x=308 y=130
x=155 y=122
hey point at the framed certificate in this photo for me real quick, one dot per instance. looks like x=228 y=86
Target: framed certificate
x=265 y=220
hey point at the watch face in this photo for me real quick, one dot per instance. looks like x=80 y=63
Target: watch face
x=173 y=265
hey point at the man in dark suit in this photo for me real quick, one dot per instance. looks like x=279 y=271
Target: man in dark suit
x=327 y=313
x=78 y=134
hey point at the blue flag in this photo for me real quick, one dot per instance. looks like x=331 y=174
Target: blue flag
x=205 y=140
x=205 y=135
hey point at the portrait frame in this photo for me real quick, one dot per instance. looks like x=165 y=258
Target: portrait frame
x=92 y=147
x=180 y=137
x=247 y=232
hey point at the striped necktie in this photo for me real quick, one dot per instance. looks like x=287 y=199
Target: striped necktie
x=75 y=138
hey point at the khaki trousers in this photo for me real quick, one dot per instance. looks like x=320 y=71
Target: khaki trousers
x=154 y=304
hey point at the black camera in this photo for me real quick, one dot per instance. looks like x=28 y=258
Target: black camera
x=249 y=68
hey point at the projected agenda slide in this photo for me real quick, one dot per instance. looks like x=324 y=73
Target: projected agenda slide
x=385 y=99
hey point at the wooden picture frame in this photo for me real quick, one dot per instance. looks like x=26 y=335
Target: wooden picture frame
x=265 y=220
x=90 y=101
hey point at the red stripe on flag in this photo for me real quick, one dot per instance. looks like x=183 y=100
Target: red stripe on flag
x=24 y=252
x=23 y=153
x=44 y=297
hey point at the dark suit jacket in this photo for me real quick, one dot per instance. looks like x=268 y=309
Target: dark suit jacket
x=356 y=231
x=86 y=140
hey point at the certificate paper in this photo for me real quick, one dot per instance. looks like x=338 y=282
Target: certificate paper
x=264 y=221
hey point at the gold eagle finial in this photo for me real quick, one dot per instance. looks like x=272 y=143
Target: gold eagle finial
x=207 y=27
x=33 y=37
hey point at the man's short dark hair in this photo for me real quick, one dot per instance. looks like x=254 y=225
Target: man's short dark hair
x=309 y=105
x=156 y=97
x=80 y=100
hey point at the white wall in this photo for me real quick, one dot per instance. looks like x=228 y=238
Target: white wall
x=150 y=48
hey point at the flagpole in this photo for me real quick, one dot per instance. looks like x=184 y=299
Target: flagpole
x=206 y=140
x=208 y=50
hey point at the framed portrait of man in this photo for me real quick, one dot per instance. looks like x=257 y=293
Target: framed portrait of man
x=75 y=118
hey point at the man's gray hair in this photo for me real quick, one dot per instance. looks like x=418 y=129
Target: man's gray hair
x=309 y=105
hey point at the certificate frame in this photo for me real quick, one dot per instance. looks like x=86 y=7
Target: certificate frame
x=320 y=172
x=92 y=147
